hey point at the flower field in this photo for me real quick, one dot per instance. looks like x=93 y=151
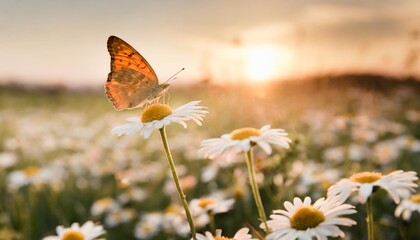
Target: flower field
x=60 y=163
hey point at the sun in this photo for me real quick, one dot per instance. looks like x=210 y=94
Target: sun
x=266 y=62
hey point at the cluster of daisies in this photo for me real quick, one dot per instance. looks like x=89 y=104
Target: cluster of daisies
x=300 y=219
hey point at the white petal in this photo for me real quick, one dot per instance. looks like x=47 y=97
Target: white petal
x=297 y=202
x=241 y=233
x=364 y=192
x=265 y=146
x=133 y=119
x=289 y=206
x=128 y=129
x=147 y=132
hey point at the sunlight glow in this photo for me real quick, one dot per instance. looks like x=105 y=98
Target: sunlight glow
x=266 y=62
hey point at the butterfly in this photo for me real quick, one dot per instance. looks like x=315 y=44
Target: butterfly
x=132 y=82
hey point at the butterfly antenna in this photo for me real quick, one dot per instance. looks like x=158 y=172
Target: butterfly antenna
x=173 y=77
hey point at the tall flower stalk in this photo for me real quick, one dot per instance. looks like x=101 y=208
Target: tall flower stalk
x=176 y=180
x=255 y=190
x=369 y=218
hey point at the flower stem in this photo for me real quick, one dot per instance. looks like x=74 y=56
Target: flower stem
x=212 y=225
x=255 y=190
x=176 y=180
x=369 y=218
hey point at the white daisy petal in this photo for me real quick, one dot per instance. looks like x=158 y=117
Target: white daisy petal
x=201 y=237
x=182 y=123
x=244 y=145
x=241 y=234
x=289 y=206
x=158 y=124
x=128 y=129
x=265 y=146
x=364 y=192
x=306 y=201
x=265 y=127
x=146 y=132
x=133 y=119
x=406 y=215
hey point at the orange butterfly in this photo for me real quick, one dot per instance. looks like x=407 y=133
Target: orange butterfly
x=132 y=82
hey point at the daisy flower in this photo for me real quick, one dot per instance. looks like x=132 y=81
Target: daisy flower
x=149 y=225
x=215 y=203
x=303 y=220
x=241 y=140
x=159 y=115
x=408 y=206
x=31 y=175
x=120 y=216
x=104 y=205
x=88 y=231
x=211 y=205
x=242 y=234
x=398 y=184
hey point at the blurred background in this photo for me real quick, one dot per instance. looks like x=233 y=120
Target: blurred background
x=341 y=77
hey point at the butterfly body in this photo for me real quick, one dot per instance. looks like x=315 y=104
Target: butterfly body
x=132 y=82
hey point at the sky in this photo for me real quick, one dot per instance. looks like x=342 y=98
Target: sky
x=64 y=42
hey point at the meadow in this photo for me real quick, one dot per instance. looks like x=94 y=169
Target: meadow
x=59 y=162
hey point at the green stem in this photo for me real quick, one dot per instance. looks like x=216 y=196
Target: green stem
x=369 y=218
x=176 y=180
x=212 y=224
x=402 y=229
x=255 y=190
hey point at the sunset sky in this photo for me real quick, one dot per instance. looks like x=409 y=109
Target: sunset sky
x=64 y=42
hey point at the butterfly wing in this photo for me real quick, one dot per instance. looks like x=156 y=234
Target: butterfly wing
x=132 y=79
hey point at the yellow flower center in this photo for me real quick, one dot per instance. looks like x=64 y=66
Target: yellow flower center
x=155 y=112
x=411 y=140
x=72 y=235
x=326 y=184
x=148 y=228
x=306 y=217
x=105 y=202
x=415 y=198
x=171 y=209
x=243 y=133
x=204 y=202
x=30 y=171
x=223 y=238
x=366 y=177
x=349 y=115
